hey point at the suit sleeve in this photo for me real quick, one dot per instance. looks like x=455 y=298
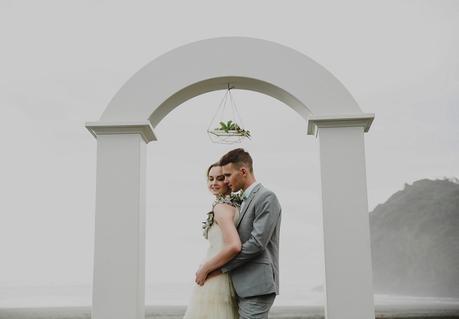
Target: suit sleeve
x=267 y=215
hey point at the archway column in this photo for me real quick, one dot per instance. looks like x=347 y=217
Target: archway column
x=347 y=251
x=119 y=256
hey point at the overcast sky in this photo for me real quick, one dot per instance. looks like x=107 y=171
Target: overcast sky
x=62 y=61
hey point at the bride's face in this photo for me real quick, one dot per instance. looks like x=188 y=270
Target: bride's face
x=216 y=181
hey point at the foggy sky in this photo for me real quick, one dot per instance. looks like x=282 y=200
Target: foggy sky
x=62 y=62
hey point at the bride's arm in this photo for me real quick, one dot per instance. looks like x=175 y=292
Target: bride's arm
x=224 y=217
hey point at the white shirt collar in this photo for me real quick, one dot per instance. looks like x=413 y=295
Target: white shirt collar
x=248 y=191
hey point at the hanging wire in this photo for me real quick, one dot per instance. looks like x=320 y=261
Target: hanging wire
x=232 y=106
x=236 y=114
x=220 y=108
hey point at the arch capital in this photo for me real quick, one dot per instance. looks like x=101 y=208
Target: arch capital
x=108 y=128
x=339 y=120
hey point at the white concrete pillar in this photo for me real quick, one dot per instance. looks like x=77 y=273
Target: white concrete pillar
x=347 y=251
x=119 y=260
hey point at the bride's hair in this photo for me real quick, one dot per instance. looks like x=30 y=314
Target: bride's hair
x=210 y=167
x=237 y=157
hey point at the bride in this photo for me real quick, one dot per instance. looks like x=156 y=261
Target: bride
x=216 y=299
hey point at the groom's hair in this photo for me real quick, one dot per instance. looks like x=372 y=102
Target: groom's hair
x=237 y=157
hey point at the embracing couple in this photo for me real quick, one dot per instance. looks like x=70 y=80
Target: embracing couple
x=240 y=275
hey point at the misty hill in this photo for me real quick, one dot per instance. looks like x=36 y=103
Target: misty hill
x=415 y=240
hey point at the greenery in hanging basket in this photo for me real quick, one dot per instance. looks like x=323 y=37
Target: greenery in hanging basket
x=231 y=126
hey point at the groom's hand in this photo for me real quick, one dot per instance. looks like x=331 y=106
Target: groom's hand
x=201 y=276
x=214 y=273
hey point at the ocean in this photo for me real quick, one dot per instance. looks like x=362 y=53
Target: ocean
x=278 y=312
x=168 y=301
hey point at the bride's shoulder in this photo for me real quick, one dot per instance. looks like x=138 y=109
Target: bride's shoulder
x=224 y=209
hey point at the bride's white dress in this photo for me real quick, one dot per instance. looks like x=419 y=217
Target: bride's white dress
x=216 y=298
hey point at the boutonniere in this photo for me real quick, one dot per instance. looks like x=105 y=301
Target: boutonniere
x=237 y=198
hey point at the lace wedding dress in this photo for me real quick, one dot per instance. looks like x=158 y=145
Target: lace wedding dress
x=216 y=299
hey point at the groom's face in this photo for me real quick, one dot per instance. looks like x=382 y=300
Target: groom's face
x=233 y=177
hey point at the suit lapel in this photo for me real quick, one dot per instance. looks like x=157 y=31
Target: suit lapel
x=247 y=203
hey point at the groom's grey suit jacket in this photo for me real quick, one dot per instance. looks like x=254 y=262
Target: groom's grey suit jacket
x=255 y=270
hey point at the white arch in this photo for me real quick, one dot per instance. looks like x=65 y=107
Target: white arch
x=125 y=128
x=246 y=63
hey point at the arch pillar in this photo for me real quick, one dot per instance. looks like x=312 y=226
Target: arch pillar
x=347 y=251
x=119 y=254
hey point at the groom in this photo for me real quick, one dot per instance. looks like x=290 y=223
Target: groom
x=255 y=270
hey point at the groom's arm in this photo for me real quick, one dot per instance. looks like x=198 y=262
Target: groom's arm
x=264 y=224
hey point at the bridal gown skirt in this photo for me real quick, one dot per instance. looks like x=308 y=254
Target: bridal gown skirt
x=214 y=300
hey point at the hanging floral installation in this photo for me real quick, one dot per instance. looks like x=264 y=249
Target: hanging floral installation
x=226 y=127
